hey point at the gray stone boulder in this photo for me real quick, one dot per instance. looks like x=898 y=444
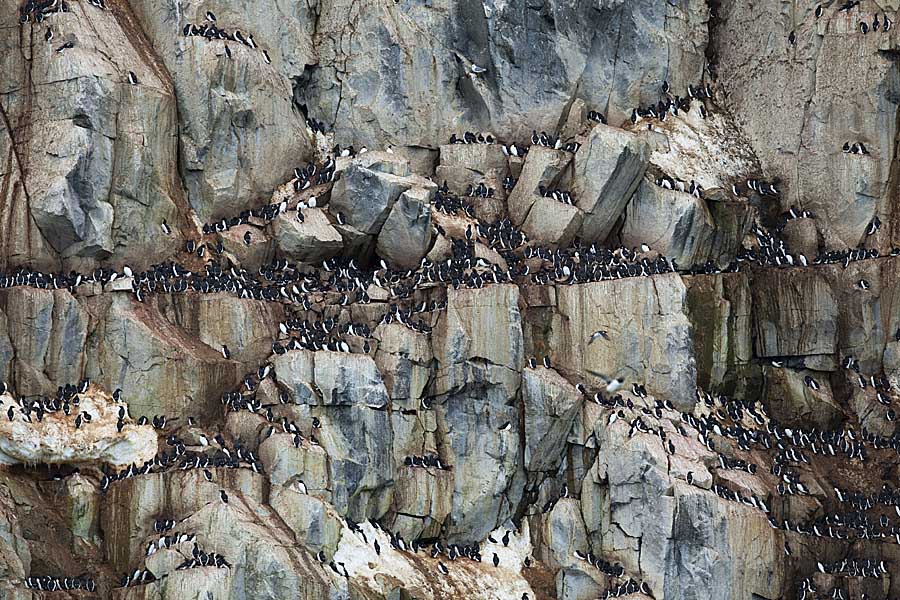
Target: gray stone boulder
x=676 y=544
x=404 y=359
x=543 y=166
x=479 y=338
x=607 y=170
x=478 y=429
x=311 y=241
x=364 y=197
x=315 y=524
x=478 y=346
x=426 y=55
x=350 y=400
x=552 y=222
x=422 y=501
x=406 y=235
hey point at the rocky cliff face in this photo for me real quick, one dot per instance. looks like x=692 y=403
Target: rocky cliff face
x=448 y=299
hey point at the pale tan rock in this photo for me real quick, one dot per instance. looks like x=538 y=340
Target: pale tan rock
x=552 y=222
x=161 y=368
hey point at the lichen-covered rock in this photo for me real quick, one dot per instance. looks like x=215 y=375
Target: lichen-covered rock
x=58 y=439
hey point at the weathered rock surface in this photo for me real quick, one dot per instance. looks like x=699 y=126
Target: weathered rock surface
x=798 y=135
x=796 y=315
x=683 y=227
x=103 y=149
x=646 y=320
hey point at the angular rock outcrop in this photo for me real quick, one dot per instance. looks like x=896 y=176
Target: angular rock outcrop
x=607 y=170
x=311 y=241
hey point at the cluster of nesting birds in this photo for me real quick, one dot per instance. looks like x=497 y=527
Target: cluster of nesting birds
x=137 y=577
x=672 y=183
x=479 y=191
x=563 y=196
x=426 y=461
x=669 y=104
x=449 y=204
x=54 y=584
x=66 y=400
x=210 y=31
x=168 y=541
x=36 y=11
x=199 y=558
x=180 y=458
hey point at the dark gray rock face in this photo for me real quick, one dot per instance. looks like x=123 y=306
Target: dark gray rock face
x=426 y=50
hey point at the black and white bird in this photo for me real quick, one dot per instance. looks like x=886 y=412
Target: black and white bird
x=600 y=333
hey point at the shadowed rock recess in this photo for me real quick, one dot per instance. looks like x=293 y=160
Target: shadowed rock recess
x=444 y=299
